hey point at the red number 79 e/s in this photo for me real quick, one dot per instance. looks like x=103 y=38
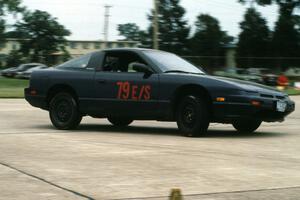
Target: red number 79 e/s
x=134 y=92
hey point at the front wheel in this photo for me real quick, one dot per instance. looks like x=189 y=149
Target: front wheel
x=119 y=121
x=63 y=111
x=246 y=126
x=193 y=116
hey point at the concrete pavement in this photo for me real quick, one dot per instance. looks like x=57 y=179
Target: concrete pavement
x=145 y=160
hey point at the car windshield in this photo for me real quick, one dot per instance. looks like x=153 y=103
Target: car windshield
x=169 y=62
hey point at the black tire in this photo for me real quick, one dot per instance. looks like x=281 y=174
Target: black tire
x=119 y=121
x=63 y=111
x=246 y=126
x=193 y=116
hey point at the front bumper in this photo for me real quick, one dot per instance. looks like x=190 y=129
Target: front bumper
x=240 y=107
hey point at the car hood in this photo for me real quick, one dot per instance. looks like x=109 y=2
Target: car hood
x=247 y=85
x=233 y=84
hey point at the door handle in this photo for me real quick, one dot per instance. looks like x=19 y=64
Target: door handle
x=101 y=81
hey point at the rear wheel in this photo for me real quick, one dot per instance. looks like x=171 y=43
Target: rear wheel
x=63 y=111
x=246 y=126
x=119 y=121
x=192 y=116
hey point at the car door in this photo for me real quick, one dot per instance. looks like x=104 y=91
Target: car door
x=122 y=91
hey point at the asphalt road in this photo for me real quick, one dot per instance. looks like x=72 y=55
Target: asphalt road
x=144 y=161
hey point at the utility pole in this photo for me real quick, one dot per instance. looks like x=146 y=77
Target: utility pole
x=106 y=24
x=155 y=25
x=252 y=2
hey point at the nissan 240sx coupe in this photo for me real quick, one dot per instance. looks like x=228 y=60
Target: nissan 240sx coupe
x=142 y=84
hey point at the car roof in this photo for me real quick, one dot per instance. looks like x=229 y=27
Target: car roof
x=34 y=64
x=130 y=49
x=26 y=64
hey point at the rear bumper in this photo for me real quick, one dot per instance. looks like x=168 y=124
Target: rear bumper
x=35 y=100
x=226 y=112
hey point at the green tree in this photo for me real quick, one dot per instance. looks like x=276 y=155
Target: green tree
x=209 y=40
x=173 y=28
x=254 y=40
x=286 y=41
x=15 y=58
x=131 y=32
x=2 y=29
x=42 y=36
x=8 y=6
x=286 y=6
x=286 y=36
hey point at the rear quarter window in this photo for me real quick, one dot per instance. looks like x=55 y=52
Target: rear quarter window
x=81 y=62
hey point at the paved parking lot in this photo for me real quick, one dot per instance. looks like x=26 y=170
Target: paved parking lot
x=144 y=161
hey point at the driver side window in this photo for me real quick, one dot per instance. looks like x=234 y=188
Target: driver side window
x=121 y=62
x=112 y=64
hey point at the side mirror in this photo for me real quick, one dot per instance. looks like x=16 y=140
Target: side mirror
x=139 y=67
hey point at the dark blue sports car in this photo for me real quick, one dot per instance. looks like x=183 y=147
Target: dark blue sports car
x=142 y=84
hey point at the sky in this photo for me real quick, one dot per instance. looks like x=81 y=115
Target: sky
x=85 y=18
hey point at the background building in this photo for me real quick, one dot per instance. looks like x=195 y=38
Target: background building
x=74 y=47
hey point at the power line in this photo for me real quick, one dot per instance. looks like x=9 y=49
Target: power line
x=90 y=4
x=227 y=7
x=248 y=57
